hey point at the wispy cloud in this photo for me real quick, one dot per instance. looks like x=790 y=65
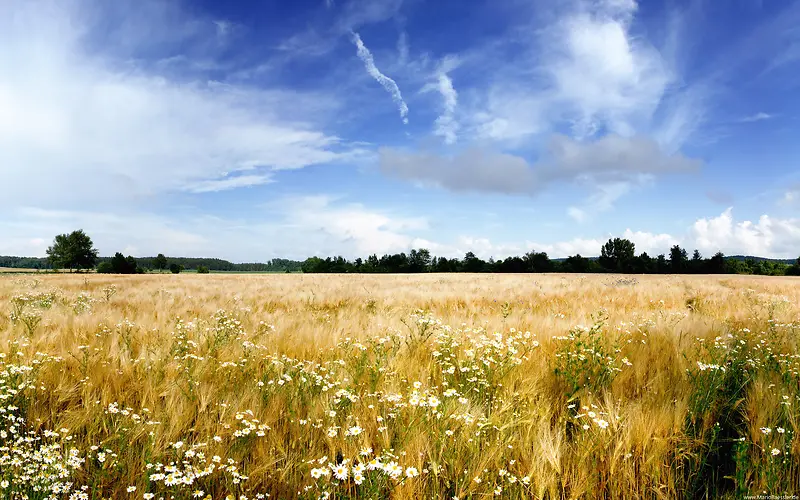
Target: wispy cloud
x=387 y=83
x=760 y=116
x=69 y=112
x=225 y=184
x=223 y=27
x=602 y=200
x=446 y=125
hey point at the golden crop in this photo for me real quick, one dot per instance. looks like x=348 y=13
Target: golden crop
x=425 y=386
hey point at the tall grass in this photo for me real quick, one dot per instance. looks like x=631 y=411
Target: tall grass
x=427 y=386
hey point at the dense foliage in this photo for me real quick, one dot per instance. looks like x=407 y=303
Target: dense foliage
x=119 y=264
x=617 y=255
x=72 y=251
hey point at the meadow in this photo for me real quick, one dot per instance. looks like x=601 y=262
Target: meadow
x=449 y=386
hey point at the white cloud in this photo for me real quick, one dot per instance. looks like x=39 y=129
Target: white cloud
x=229 y=183
x=446 y=125
x=791 y=196
x=101 y=126
x=651 y=243
x=583 y=246
x=353 y=227
x=297 y=227
x=387 y=83
x=585 y=68
x=608 y=77
x=402 y=48
x=576 y=213
x=760 y=116
x=768 y=237
x=600 y=201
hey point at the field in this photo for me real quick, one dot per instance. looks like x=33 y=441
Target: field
x=424 y=386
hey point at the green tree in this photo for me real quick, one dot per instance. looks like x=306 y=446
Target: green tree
x=419 y=260
x=538 y=262
x=160 y=262
x=661 y=264
x=794 y=270
x=617 y=255
x=472 y=264
x=105 y=268
x=716 y=264
x=175 y=268
x=696 y=265
x=72 y=251
x=120 y=264
x=678 y=259
x=202 y=270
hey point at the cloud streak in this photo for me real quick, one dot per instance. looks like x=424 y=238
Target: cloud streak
x=760 y=116
x=387 y=83
x=446 y=125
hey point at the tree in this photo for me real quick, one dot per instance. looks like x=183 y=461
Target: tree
x=472 y=264
x=175 y=268
x=678 y=259
x=576 y=264
x=120 y=264
x=617 y=255
x=538 y=262
x=661 y=264
x=696 y=265
x=105 y=268
x=643 y=264
x=72 y=251
x=160 y=262
x=202 y=270
x=716 y=264
x=794 y=270
x=419 y=260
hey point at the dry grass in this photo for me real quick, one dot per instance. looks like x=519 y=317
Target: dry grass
x=472 y=386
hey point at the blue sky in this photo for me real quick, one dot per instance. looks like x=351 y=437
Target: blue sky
x=249 y=130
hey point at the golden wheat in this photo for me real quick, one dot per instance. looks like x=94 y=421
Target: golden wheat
x=424 y=386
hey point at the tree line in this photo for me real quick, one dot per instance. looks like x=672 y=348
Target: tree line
x=75 y=251
x=618 y=255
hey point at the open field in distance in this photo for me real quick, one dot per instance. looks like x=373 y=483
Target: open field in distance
x=402 y=386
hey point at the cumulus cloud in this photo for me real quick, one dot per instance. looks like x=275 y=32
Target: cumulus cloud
x=289 y=227
x=607 y=76
x=652 y=243
x=387 y=83
x=612 y=160
x=768 y=237
x=106 y=123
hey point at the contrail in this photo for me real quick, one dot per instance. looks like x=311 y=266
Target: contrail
x=365 y=55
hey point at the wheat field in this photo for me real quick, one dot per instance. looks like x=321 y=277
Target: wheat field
x=424 y=386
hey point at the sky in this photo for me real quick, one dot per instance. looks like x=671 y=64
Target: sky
x=254 y=129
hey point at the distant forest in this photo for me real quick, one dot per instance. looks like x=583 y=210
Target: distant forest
x=192 y=263
x=617 y=256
